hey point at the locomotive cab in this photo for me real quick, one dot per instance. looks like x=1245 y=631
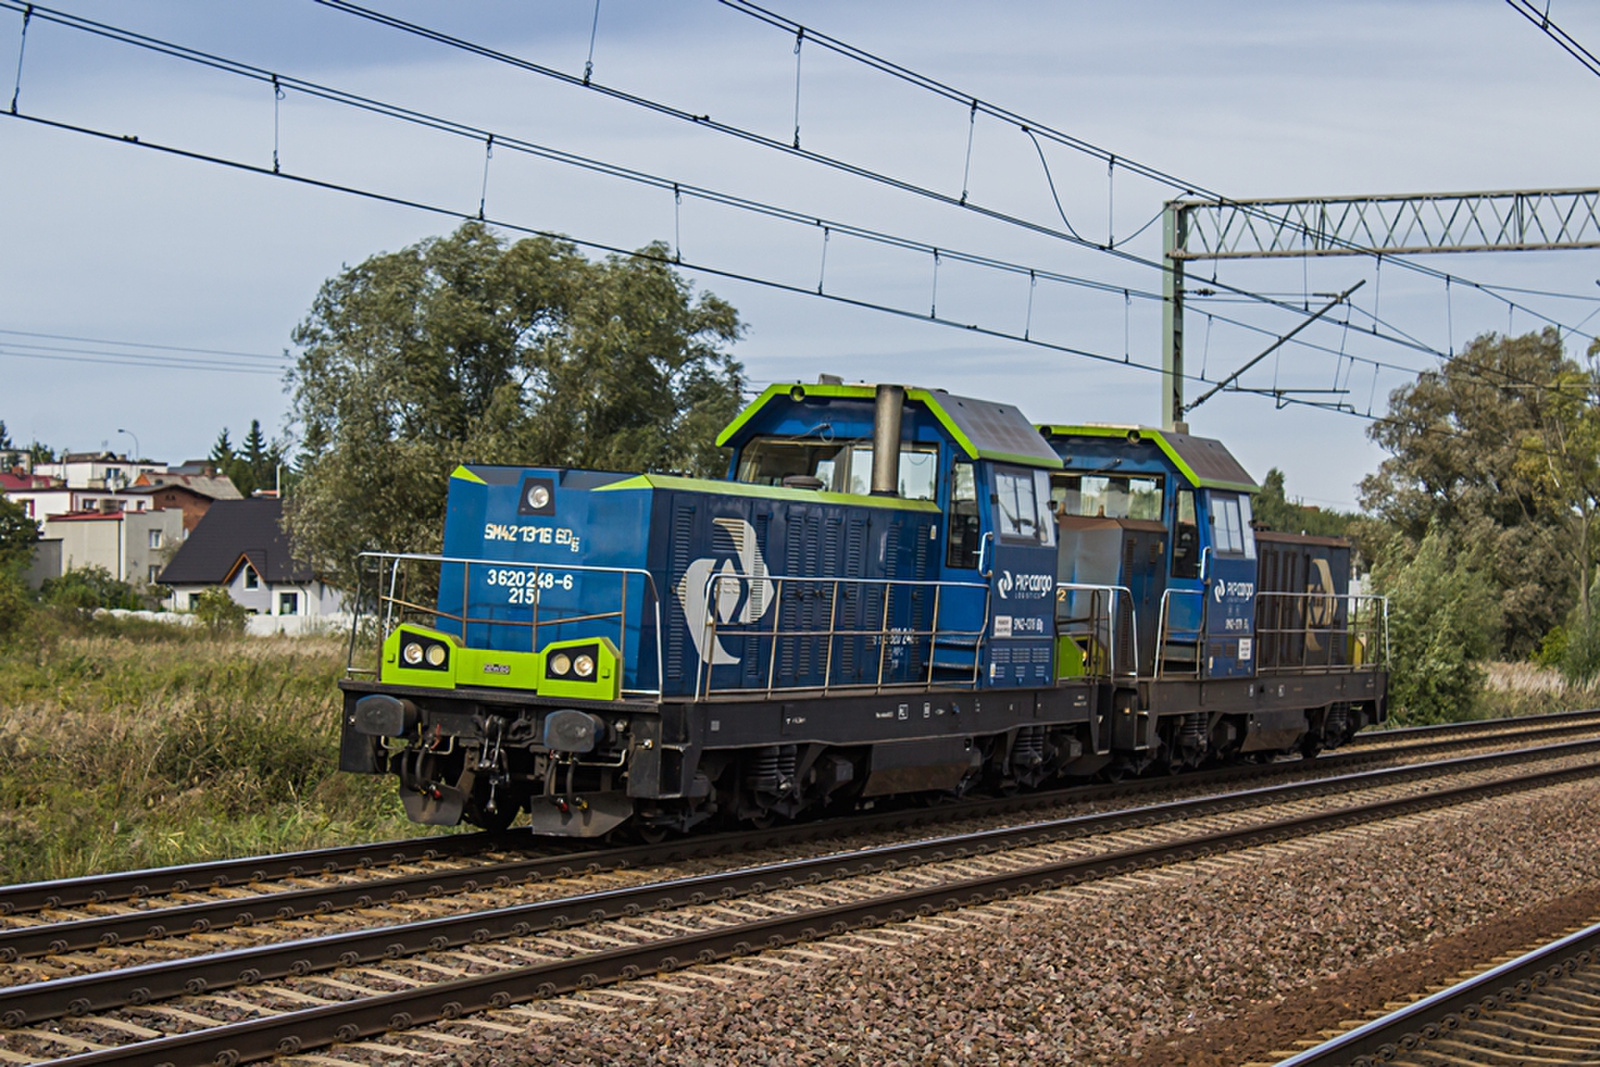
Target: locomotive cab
x=978 y=462
x=1202 y=574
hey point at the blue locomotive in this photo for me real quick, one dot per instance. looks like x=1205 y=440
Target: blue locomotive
x=894 y=591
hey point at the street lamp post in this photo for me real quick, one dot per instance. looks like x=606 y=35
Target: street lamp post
x=136 y=451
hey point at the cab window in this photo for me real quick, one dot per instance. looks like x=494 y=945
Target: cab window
x=964 y=525
x=1230 y=525
x=1113 y=496
x=1185 y=536
x=836 y=466
x=1022 y=511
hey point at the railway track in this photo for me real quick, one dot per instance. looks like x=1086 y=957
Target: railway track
x=464 y=852
x=1538 y=1008
x=252 y=1002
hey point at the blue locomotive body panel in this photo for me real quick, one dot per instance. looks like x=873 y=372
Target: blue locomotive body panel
x=703 y=586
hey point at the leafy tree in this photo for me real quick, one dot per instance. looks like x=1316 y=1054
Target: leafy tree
x=1273 y=509
x=1443 y=615
x=1462 y=441
x=88 y=588
x=18 y=535
x=464 y=348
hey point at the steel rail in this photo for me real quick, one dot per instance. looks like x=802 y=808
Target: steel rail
x=205 y=916
x=293 y=1032
x=149 y=882
x=82 y=994
x=1379 y=736
x=1443 y=1012
x=153 y=881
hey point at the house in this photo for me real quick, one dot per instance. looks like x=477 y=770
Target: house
x=44 y=495
x=132 y=546
x=240 y=545
x=188 y=491
x=105 y=471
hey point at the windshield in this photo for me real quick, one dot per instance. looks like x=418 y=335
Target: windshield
x=836 y=466
x=1109 y=496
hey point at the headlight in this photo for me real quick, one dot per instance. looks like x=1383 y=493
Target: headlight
x=539 y=496
x=585 y=666
x=560 y=663
x=412 y=653
x=436 y=655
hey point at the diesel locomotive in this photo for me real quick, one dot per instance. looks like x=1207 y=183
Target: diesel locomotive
x=894 y=591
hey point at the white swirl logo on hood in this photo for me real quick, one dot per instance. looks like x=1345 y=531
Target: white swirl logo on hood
x=740 y=587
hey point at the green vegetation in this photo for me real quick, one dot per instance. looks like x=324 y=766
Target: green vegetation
x=466 y=349
x=254 y=464
x=1481 y=520
x=87 y=588
x=127 y=744
x=219 y=613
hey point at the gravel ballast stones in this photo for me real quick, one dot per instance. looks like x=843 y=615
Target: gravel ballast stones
x=1218 y=961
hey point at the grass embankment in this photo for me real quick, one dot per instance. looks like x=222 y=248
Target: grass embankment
x=126 y=745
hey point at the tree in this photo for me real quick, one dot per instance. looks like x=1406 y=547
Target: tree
x=1273 y=509
x=18 y=535
x=464 y=348
x=218 y=612
x=1462 y=441
x=88 y=588
x=253 y=467
x=1442 y=622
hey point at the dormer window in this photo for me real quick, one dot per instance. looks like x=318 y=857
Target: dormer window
x=252 y=580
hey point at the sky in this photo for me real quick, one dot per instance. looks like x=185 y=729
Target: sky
x=148 y=299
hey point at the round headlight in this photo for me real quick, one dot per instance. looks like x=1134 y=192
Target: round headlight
x=539 y=496
x=560 y=663
x=436 y=655
x=584 y=666
x=412 y=653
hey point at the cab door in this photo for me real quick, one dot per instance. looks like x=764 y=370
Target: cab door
x=1230 y=587
x=1183 y=606
x=1020 y=567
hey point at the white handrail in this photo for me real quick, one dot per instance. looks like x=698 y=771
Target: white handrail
x=1133 y=618
x=387 y=602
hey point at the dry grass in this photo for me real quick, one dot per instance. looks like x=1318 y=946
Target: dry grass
x=127 y=746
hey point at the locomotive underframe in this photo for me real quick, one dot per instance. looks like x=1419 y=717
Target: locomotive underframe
x=476 y=753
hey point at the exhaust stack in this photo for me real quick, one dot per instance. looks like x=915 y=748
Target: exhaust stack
x=890 y=405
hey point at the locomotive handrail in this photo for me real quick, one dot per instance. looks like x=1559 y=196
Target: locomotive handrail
x=885 y=634
x=1165 y=619
x=389 y=602
x=1305 y=631
x=1133 y=617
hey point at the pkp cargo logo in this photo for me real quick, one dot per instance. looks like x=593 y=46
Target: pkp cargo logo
x=1025 y=586
x=736 y=590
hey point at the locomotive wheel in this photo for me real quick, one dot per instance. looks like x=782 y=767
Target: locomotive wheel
x=497 y=821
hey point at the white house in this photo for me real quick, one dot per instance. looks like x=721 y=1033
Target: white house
x=240 y=545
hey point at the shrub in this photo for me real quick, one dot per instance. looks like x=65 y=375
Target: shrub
x=219 y=612
x=88 y=588
x=1580 y=652
x=16 y=604
x=1443 y=615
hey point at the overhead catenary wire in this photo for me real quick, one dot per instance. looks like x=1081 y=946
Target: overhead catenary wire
x=704 y=267
x=1565 y=40
x=475 y=133
x=1031 y=127
x=908 y=313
